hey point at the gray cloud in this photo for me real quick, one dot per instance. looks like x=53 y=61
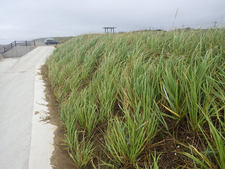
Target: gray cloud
x=26 y=19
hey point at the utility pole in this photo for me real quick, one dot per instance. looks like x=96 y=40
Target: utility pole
x=215 y=24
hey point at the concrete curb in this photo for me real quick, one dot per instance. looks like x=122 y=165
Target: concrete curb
x=42 y=136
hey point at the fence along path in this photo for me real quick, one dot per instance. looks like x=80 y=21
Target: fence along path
x=16 y=43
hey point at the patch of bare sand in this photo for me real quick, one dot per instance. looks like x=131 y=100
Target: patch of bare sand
x=60 y=157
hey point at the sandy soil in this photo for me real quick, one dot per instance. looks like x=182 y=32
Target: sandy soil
x=60 y=158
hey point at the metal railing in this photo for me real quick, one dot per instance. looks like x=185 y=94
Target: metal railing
x=17 y=43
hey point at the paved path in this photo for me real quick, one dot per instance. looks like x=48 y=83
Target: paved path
x=17 y=79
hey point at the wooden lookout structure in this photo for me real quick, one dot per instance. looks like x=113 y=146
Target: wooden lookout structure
x=107 y=29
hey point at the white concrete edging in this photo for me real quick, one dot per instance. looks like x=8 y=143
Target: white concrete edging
x=42 y=136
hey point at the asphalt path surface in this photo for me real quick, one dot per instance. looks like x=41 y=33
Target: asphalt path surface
x=17 y=79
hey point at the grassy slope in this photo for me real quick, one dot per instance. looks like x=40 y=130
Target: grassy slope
x=143 y=99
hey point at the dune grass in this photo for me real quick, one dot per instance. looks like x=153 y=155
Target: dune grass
x=143 y=99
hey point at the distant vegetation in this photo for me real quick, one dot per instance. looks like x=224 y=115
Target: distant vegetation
x=60 y=39
x=63 y=39
x=143 y=99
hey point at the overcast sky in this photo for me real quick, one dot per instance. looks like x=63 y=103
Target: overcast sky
x=28 y=19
